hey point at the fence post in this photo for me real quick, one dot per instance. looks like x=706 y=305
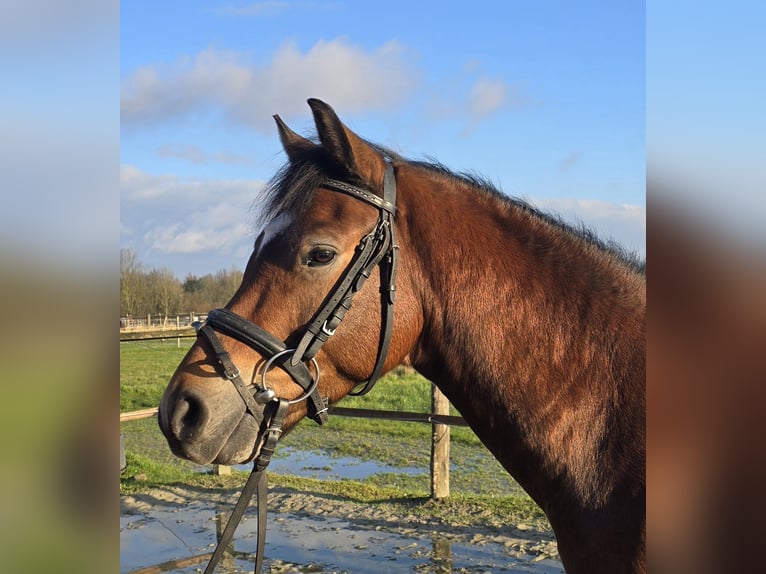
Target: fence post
x=440 y=443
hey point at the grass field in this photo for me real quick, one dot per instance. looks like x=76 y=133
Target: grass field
x=146 y=367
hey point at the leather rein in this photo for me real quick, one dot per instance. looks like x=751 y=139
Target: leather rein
x=376 y=249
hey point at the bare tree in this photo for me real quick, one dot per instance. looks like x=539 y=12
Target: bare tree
x=165 y=290
x=210 y=290
x=159 y=291
x=131 y=283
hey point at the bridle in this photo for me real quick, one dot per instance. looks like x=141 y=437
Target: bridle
x=376 y=249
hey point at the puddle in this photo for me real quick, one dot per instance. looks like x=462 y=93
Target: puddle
x=317 y=464
x=298 y=543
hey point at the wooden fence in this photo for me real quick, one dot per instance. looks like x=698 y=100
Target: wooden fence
x=439 y=418
x=160 y=322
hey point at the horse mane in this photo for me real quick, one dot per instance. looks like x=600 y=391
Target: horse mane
x=292 y=188
x=580 y=230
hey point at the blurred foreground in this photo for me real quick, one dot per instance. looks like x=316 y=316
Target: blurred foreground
x=59 y=295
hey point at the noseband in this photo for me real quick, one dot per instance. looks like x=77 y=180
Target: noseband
x=378 y=248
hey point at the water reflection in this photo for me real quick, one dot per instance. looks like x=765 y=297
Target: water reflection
x=227 y=563
x=180 y=538
x=442 y=554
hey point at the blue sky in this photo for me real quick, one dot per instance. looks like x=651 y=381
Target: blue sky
x=545 y=99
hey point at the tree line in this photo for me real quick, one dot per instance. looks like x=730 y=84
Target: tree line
x=159 y=292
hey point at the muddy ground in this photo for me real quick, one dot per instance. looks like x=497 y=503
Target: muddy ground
x=169 y=526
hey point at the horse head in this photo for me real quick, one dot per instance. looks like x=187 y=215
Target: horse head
x=329 y=226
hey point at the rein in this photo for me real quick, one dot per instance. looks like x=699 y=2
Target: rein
x=376 y=249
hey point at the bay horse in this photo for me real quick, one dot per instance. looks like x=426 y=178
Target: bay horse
x=534 y=330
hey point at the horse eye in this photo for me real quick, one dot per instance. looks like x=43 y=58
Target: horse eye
x=320 y=256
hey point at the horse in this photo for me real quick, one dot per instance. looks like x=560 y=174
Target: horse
x=533 y=328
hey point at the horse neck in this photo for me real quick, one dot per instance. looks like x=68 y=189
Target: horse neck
x=534 y=334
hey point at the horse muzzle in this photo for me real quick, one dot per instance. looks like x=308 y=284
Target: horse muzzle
x=205 y=422
x=218 y=417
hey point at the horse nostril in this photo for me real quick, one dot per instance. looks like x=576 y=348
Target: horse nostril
x=188 y=417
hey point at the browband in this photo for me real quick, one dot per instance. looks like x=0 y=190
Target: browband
x=385 y=204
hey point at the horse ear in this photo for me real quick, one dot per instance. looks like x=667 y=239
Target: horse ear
x=293 y=144
x=350 y=151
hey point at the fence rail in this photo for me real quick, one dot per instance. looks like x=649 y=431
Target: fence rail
x=162 y=322
x=172 y=565
x=157 y=335
x=448 y=420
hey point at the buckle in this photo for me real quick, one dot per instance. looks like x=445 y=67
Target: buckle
x=326 y=330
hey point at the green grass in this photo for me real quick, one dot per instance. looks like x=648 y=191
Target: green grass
x=143 y=471
x=146 y=368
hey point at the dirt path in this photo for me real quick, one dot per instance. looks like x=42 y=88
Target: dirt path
x=318 y=533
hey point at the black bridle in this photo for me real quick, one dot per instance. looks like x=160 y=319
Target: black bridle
x=376 y=249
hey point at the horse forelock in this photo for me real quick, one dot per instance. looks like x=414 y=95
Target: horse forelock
x=293 y=187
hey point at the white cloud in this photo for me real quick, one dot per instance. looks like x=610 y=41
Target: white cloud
x=136 y=184
x=487 y=96
x=196 y=155
x=170 y=215
x=473 y=99
x=337 y=71
x=191 y=153
x=179 y=239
